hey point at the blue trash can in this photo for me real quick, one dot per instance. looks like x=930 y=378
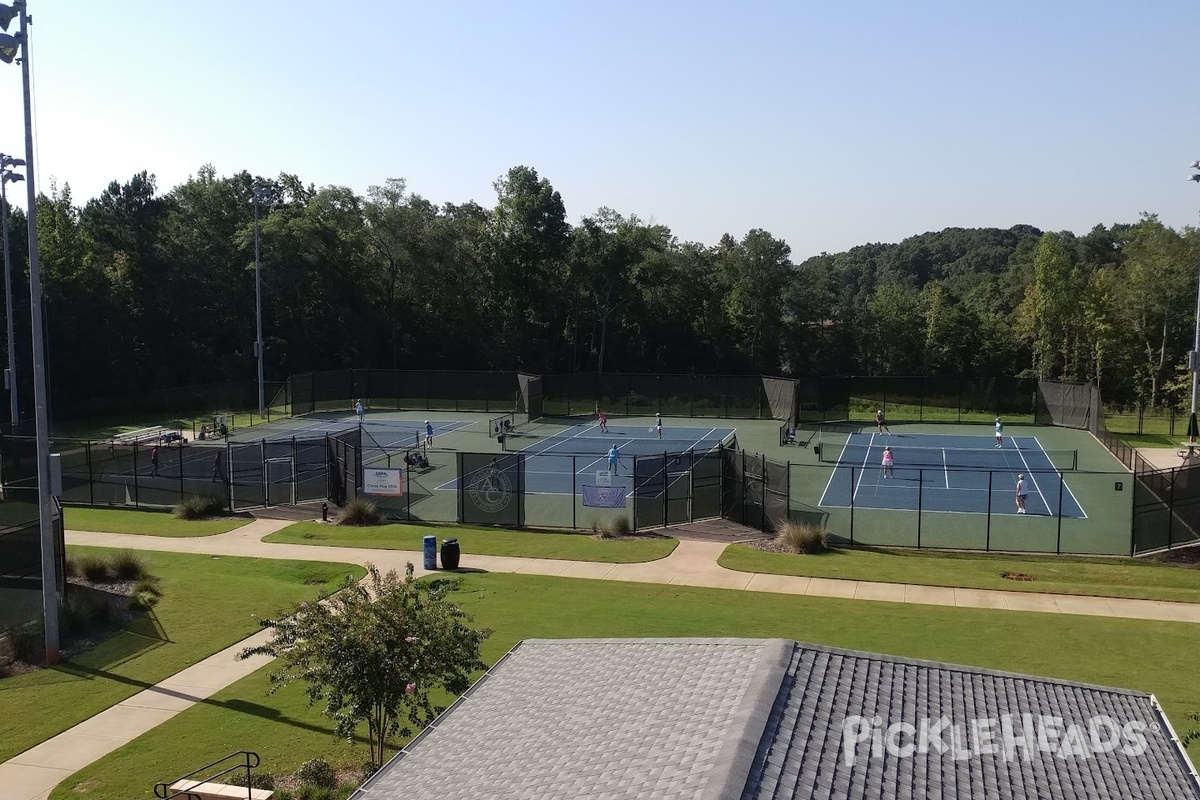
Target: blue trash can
x=430 y=550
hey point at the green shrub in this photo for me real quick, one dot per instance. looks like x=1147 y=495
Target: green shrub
x=26 y=642
x=71 y=566
x=199 y=507
x=283 y=794
x=800 y=537
x=317 y=772
x=258 y=780
x=360 y=512
x=309 y=792
x=599 y=531
x=128 y=566
x=95 y=569
x=621 y=526
x=146 y=593
x=344 y=790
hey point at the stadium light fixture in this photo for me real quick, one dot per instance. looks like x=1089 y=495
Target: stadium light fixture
x=258 y=195
x=10 y=374
x=10 y=46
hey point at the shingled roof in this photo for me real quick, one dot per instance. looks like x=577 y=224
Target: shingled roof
x=775 y=720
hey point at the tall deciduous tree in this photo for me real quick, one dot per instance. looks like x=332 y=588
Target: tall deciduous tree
x=377 y=653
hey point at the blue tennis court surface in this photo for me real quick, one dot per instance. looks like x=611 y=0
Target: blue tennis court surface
x=965 y=474
x=560 y=463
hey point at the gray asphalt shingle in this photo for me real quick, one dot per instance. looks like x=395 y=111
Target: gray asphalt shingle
x=722 y=719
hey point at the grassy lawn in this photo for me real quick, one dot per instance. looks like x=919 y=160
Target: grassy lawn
x=150 y=523
x=1057 y=574
x=481 y=541
x=1149 y=656
x=209 y=604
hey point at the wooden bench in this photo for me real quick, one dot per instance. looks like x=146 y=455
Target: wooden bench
x=207 y=790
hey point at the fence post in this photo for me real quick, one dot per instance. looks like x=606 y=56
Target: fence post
x=574 y=490
x=920 y=494
x=987 y=538
x=135 y=476
x=852 y=506
x=762 y=471
x=181 y=489
x=229 y=472
x=1171 y=511
x=91 y=480
x=262 y=450
x=1058 y=543
x=666 y=490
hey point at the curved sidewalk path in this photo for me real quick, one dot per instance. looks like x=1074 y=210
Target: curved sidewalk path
x=692 y=563
x=32 y=775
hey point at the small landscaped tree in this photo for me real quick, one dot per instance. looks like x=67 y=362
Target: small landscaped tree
x=375 y=652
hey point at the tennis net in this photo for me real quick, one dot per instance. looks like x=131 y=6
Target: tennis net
x=1009 y=459
x=501 y=425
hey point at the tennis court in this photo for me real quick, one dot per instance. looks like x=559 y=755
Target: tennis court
x=949 y=473
x=558 y=463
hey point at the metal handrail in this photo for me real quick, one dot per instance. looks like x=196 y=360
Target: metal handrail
x=249 y=761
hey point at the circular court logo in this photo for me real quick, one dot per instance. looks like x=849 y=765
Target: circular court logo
x=490 y=490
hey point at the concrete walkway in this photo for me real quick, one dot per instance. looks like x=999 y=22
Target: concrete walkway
x=33 y=774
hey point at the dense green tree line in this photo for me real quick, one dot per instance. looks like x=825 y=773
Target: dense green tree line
x=147 y=290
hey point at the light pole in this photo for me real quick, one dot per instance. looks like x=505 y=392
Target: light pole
x=9 y=47
x=258 y=196
x=1194 y=356
x=10 y=374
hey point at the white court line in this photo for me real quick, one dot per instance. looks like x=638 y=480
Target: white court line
x=1066 y=485
x=945 y=468
x=1045 y=502
x=834 y=472
x=870 y=444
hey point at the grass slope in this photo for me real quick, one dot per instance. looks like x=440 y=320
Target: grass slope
x=149 y=523
x=481 y=541
x=1056 y=574
x=208 y=604
x=1150 y=656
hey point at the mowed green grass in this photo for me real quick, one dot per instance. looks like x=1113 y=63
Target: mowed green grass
x=1055 y=574
x=481 y=541
x=1149 y=656
x=208 y=604
x=148 y=523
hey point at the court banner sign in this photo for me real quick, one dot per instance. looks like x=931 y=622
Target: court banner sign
x=386 y=482
x=604 y=496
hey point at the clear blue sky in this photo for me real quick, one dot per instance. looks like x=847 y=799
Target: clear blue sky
x=829 y=124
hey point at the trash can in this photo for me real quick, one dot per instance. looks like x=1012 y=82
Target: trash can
x=429 y=546
x=450 y=554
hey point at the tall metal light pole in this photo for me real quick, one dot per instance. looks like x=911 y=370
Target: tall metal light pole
x=1194 y=356
x=8 y=51
x=258 y=195
x=10 y=374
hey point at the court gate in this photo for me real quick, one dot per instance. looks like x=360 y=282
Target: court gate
x=755 y=491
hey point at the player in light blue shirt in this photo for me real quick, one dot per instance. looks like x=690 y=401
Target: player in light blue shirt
x=614 y=459
x=428 y=433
